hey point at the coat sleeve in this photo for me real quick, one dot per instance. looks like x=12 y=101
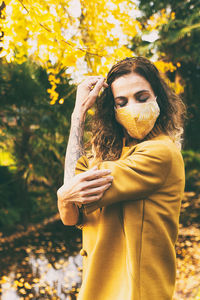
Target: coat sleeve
x=135 y=176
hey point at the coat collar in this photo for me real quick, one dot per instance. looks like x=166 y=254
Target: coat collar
x=126 y=149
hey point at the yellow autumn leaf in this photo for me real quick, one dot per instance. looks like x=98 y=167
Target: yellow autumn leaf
x=27 y=286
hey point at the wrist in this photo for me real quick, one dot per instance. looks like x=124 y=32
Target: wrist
x=80 y=113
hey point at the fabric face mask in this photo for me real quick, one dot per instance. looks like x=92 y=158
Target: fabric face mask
x=138 y=118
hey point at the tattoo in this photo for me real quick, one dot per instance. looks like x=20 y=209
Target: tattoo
x=75 y=147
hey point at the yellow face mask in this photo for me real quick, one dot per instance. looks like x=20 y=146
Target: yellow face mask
x=138 y=118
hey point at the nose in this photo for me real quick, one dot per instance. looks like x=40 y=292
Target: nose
x=131 y=100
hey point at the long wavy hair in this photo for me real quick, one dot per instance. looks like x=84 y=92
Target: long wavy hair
x=107 y=133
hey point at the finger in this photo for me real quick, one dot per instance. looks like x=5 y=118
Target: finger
x=94 y=171
x=97 y=182
x=94 y=174
x=91 y=82
x=105 y=85
x=93 y=198
x=89 y=199
x=97 y=87
x=96 y=190
x=81 y=201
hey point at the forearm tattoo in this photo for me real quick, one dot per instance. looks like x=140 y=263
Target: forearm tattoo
x=75 y=148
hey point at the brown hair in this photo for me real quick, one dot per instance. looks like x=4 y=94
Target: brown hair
x=107 y=133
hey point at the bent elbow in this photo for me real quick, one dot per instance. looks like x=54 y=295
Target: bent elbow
x=68 y=221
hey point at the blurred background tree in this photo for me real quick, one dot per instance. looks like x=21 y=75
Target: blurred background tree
x=34 y=133
x=178 y=41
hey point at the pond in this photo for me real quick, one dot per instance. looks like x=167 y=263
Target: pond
x=44 y=265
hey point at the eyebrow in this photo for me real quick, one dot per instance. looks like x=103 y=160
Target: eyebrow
x=137 y=93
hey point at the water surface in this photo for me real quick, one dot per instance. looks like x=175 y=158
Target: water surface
x=44 y=265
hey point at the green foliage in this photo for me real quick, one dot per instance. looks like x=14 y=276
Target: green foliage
x=11 y=191
x=179 y=42
x=192 y=168
x=35 y=133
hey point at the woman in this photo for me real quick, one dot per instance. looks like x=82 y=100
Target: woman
x=127 y=195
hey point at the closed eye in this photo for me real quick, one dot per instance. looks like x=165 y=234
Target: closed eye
x=142 y=99
x=121 y=104
x=121 y=101
x=142 y=96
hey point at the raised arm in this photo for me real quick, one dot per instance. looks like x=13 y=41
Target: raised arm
x=87 y=187
x=69 y=212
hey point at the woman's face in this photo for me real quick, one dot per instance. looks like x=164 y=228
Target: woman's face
x=131 y=88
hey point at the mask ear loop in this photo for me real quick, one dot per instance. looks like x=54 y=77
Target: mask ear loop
x=124 y=141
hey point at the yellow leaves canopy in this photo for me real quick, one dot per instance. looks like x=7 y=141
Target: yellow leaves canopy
x=64 y=31
x=70 y=33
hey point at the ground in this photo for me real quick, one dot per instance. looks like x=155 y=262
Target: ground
x=34 y=263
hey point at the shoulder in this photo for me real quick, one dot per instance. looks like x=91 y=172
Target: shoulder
x=162 y=149
x=159 y=144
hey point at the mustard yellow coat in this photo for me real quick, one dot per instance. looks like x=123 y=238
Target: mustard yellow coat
x=129 y=235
